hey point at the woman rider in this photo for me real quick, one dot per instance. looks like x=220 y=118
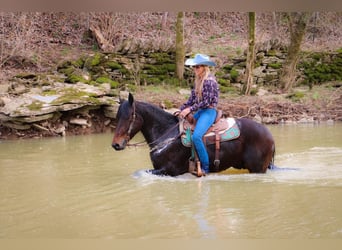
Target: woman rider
x=202 y=101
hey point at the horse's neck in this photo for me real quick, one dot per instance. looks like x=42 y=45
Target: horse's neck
x=158 y=125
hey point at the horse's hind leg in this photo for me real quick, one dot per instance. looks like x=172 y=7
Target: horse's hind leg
x=259 y=164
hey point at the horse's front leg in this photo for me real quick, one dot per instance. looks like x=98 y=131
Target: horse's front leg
x=160 y=171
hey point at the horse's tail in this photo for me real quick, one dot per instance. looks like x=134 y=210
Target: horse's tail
x=271 y=164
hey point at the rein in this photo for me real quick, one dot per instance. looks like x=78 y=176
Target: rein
x=143 y=143
x=164 y=143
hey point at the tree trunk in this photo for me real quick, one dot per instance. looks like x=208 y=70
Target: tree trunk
x=297 y=23
x=250 y=54
x=274 y=26
x=180 y=48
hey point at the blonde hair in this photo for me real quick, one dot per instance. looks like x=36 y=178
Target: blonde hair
x=199 y=80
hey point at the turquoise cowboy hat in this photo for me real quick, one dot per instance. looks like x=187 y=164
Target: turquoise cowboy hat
x=199 y=59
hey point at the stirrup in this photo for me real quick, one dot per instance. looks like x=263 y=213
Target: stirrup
x=217 y=163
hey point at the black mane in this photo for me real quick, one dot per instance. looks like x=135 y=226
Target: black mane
x=150 y=110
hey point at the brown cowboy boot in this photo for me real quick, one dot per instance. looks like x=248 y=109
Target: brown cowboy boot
x=200 y=173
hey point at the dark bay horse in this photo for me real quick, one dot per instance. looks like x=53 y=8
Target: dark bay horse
x=253 y=150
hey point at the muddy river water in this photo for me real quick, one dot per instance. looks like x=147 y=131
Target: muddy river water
x=79 y=187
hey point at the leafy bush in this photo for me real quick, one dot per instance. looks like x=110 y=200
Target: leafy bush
x=320 y=67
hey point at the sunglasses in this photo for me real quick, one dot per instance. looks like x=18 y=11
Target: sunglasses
x=197 y=66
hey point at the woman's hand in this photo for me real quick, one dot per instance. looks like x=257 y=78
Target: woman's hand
x=184 y=112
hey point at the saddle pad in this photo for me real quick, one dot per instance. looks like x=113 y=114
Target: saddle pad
x=230 y=133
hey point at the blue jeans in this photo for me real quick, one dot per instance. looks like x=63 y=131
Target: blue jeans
x=204 y=119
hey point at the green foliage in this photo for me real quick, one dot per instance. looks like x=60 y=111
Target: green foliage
x=114 y=84
x=174 y=81
x=161 y=58
x=234 y=74
x=228 y=89
x=315 y=96
x=296 y=96
x=131 y=88
x=168 y=104
x=253 y=91
x=239 y=51
x=320 y=68
x=153 y=80
x=159 y=69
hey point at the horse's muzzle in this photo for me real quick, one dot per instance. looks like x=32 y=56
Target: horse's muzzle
x=118 y=147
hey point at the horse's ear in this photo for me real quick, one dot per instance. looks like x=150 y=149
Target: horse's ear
x=130 y=99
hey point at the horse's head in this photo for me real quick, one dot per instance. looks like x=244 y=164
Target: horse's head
x=128 y=124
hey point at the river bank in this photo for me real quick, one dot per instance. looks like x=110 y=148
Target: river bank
x=322 y=104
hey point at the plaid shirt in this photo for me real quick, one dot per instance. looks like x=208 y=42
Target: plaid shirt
x=210 y=95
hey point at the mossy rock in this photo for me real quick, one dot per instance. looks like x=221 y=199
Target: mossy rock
x=269 y=77
x=162 y=69
x=271 y=52
x=320 y=67
x=74 y=78
x=257 y=64
x=69 y=95
x=224 y=82
x=150 y=80
x=170 y=67
x=113 y=65
x=79 y=63
x=124 y=71
x=234 y=74
x=93 y=61
x=66 y=70
x=161 y=57
x=26 y=76
x=228 y=67
x=275 y=65
x=220 y=74
x=34 y=106
x=103 y=79
x=64 y=65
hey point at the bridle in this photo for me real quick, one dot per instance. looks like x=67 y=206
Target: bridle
x=134 y=116
x=142 y=143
